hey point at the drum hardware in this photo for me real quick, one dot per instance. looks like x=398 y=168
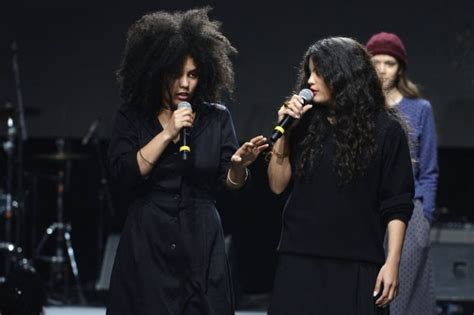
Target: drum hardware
x=104 y=196
x=63 y=250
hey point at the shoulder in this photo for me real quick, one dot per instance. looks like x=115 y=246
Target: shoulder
x=388 y=122
x=390 y=126
x=216 y=107
x=128 y=114
x=216 y=110
x=418 y=104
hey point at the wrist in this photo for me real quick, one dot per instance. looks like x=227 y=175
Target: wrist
x=239 y=176
x=392 y=260
x=237 y=171
x=167 y=137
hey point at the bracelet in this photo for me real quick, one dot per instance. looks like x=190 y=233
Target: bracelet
x=143 y=158
x=279 y=155
x=237 y=184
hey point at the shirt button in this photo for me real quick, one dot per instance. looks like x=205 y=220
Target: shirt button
x=173 y=246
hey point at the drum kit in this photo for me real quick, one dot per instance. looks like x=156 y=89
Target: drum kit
x=59 y=256
x=62 y=261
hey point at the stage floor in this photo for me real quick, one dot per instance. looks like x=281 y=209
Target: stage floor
x=68 y=310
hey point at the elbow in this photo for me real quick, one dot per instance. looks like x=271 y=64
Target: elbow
x=277 y=189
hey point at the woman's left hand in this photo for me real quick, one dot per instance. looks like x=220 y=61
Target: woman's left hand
x=249 y=151
x=387 y=280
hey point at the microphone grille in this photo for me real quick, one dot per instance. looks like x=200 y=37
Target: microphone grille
x=306 y=94
x=184 y=105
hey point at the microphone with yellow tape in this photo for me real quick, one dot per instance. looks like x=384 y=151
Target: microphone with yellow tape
x=282 y=126
x=184 y=147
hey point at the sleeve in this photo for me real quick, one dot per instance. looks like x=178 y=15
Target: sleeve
x=428 y=159
x=229 y=144
x=397 y=186
x=122 y=152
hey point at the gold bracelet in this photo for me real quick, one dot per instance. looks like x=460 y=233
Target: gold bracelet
x=143 y=158
x=237 y=184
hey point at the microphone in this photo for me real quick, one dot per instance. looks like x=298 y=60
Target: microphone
x=91 y=131
x=281 y=127
x=184 y=147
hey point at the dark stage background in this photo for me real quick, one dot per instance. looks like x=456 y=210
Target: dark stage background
x=69 y=51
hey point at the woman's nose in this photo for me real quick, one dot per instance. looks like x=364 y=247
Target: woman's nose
x=183 y=81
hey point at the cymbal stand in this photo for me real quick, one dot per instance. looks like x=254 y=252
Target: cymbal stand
x=22 y=136
x=104 y=197
x=63 y=238
x=9 y=147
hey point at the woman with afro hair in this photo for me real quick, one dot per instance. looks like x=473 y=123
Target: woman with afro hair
x=171 y=257
x=347 y=165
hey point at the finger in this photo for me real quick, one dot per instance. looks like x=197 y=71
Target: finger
x=184 y=118
x=261 y=141
x=307 y=107
x=391 y=294
x=290 y=112
x=186 y=123
x=378 y=284
x=256 y=139
x=287 y=111
x=297 y=98
x=183 y=110
x=236 y=158
x=383 y=298
x=262 y=148
x=295 y=105
x=248 y=145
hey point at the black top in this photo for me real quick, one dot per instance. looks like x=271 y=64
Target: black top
x=213 y=142
x=322 y=218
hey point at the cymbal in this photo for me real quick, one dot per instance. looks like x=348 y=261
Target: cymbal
x=61 y=156
x=8 y=110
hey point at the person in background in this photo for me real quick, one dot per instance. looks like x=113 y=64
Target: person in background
x=389 y=57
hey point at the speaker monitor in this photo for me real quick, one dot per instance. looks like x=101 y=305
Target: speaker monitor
x=452 y=250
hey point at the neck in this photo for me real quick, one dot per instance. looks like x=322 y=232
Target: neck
x=165 y=113
x=392 y=96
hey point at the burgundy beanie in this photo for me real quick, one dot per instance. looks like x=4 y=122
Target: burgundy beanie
x=387 y=44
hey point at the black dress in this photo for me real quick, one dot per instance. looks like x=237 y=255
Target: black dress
x=171 y=257
x=331 y=246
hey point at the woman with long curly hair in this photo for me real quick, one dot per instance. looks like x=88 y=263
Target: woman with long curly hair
x=347 y=165
x=416 y=280
x=171 y=257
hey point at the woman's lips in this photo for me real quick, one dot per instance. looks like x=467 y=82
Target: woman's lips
x=183 y=96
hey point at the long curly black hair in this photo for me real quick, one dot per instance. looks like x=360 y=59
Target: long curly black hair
x=156 y=48
x=356 y=100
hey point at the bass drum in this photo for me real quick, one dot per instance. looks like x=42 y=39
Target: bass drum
x=22 y=290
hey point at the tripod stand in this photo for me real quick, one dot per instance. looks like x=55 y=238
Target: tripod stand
x=64 y=252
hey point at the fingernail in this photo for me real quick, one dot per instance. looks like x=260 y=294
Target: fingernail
x=375 y=293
